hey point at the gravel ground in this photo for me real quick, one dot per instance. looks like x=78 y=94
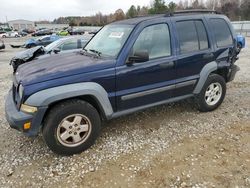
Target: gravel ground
x=167 y=146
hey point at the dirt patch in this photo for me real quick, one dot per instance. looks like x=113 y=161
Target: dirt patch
x=218 y=160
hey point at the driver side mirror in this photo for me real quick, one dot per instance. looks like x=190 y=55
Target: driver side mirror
x=56 y=50
x=139 y=57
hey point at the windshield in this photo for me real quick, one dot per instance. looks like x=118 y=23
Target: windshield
x=109 y=40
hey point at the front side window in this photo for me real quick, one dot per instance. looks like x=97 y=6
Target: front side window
x=192 y=36
x=222 y=32
x=155 y=40
x=109 y=40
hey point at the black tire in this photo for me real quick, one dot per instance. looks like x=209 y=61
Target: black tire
x=56 y=116
x=201 y=98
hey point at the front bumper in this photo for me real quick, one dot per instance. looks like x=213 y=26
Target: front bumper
x=17 y=119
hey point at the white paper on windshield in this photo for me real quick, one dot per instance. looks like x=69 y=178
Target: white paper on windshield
x=116 y=35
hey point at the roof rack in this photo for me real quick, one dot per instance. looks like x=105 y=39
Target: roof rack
x=192 y=11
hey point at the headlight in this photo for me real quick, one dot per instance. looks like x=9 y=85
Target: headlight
x=20 y=91
x=28 y=109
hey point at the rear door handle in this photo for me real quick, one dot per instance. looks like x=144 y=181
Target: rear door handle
x=167 y=65
x=208 y=56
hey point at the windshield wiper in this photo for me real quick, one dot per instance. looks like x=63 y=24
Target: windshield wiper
x=96 y=52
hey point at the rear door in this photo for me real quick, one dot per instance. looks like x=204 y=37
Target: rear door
x=194 y=52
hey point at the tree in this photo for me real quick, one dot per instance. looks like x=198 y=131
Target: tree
x=158 y=7
x=231 y=9
x=132 y=12
x=119 y=15
x=180 y=5
x=245 y=10
x=72 y=23
x=143 y=11
x=172 y=6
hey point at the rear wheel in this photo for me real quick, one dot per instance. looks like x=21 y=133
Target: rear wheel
x=212 y=93
x=71 y=127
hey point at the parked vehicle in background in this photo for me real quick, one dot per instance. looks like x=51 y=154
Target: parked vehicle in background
x=3 y=34
x=240 y=42
x=42 y=41
x=22 y=33
x=93 y=32
x=2 y=46
x=63 y=33
x=129 y=65
x=76 y=31
x=69 y=44
x=10 y=34
x=29 y=31
x=42 y=32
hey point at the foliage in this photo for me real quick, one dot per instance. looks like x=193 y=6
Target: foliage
x=234 y=9
x=157 y=7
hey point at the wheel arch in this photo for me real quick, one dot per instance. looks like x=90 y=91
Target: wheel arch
x=205 y=72
x=90 y=92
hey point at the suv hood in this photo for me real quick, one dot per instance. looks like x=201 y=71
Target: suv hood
x=58 y=66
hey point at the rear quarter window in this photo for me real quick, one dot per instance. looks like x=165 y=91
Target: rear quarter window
x=222 y=33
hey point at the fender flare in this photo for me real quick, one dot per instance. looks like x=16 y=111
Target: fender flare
x=206 y=70
x=55 y=94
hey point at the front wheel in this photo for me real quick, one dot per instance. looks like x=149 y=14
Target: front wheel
x=212 y=93
x=71 y=127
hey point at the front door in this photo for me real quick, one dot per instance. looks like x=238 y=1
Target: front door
x=143 y=83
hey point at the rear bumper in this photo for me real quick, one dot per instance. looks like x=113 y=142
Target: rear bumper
x=17 y=119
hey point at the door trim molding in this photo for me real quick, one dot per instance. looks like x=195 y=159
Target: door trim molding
x=157 y=90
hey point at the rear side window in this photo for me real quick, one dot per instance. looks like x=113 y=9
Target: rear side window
x=202 y=35
x=192 y=36
x=222 y=32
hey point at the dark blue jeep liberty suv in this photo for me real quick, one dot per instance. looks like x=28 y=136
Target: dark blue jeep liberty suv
x=127 y=66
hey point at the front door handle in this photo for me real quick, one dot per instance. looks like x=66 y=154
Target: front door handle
x=167 y=65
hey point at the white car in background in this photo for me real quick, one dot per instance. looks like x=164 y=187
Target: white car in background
x=2 y=34
x=9 y=34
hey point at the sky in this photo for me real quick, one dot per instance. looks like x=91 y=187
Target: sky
x=36 y=10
